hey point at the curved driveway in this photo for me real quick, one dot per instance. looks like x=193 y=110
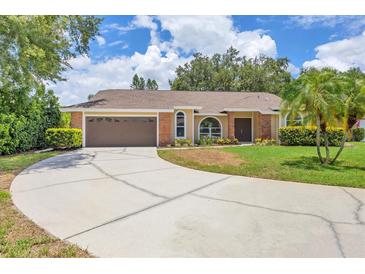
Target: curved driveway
x=127 y=202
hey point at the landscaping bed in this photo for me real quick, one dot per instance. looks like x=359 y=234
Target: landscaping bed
x=20 y=237
x=289 y=163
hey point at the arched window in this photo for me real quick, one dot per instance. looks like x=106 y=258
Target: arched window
x=180 y=120
x=210 y=127
x=293 y=121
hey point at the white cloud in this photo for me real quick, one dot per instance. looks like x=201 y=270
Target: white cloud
x=88 y=77
x=293 y=69
x=100 y=40
x=342 y=54
x=351 y=23
x=144 y=21
x=215 y=34
x=207 y=34
x=121 y=43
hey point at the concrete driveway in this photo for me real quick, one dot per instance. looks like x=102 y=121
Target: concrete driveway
x=127 y=202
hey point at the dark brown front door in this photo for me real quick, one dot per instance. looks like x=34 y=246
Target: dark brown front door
x=120 y=131
x=243 y=129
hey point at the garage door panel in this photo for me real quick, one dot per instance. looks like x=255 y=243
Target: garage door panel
x=120 y=131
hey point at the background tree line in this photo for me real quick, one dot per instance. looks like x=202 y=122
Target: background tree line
x=232 y=72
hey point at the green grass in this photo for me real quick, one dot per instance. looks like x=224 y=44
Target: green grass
x=299 y=164
x=14 y=163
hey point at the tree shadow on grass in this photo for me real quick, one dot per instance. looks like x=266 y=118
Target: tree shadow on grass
x=312 y=163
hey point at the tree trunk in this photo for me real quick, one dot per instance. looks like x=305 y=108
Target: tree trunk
x=318 y=140
x=325 y=136
x=342 y=146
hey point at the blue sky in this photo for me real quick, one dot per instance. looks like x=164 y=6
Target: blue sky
x=153 y=46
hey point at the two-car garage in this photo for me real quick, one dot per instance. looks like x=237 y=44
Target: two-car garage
x=106 y=131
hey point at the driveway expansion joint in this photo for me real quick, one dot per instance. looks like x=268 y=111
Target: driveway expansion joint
x=360 y=204
x=147 y=208
x=330 y=223
x=127 y=183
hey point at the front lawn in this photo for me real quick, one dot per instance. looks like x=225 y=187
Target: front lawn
x=299 y=164
x=19 y=237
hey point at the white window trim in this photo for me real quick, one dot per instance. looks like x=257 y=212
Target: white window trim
x=201 y=120
x=286 y=118
x=175 y=124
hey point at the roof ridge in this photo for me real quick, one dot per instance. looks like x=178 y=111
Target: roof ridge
x=188 y=91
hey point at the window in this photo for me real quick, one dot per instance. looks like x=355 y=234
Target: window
x=210 y=127
x=180 y=124
x=293 y=121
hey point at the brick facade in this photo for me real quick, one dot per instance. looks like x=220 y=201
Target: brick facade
x=264 y=125
x=76 y=120
x=165 y=122
x=230 y=119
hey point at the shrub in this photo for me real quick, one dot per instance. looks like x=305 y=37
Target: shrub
x=16 y=134
x=220 y=141
x=207 y=141
x=358 y=134
x=64 y=137
x=265 y=141
x=182 y=142
x=65 y=120
x=306 y=136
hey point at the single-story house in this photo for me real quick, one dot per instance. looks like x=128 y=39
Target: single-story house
x=156 y=118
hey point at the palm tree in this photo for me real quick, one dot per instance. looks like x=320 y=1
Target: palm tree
x=315 y=94
x=353 y=100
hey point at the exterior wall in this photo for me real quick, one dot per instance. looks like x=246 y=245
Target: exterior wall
x=275 y=127
x=164 y=130
x=256 y=123
x=188 y=125
x=230 y=120
x=264 y=125
x=362 y=125
x=198 y=119
x=76 y=120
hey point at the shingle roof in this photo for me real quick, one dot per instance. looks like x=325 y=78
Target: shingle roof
x=209 y=101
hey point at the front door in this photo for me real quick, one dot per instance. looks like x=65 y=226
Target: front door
x=243 y=129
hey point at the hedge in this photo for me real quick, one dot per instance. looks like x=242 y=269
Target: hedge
x=306 y=136
x=358 y=134
x=64 y=137
x=18 y=134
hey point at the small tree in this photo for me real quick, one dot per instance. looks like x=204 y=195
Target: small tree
x=316 y=94
x=138 y=83
x=135 y=82
x=90 y=96
x=151 y=84
x=142 y=83
x=352 y=100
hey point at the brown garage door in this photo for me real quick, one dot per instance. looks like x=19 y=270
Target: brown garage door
x=120 y=131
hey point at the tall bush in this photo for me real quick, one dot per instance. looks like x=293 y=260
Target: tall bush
x=306 y=136
x=358 y=134
x=64 y=137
